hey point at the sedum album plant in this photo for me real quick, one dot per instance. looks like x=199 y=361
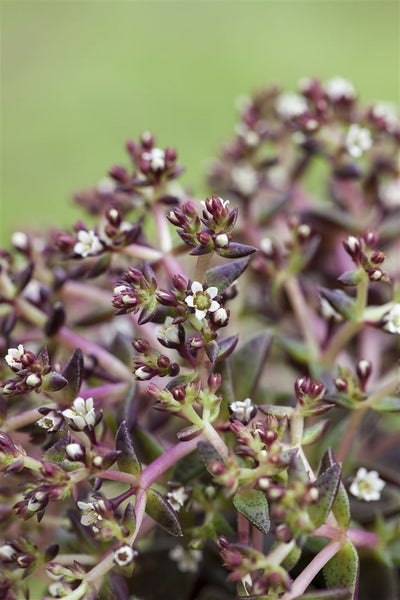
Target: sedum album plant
x=199 y=398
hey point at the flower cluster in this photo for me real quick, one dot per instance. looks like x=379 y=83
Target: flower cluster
x=261 y=325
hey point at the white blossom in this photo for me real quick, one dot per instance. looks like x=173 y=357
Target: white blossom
x=124 y=555
x=202 y=300
x=74 y=451
x=13 y=357
x=169 y=332
x=33 y=380
x=250 y=137
x=187 y=560
x=156 y=157
x=81 y=414
x=338 y=88
x=90 y=516
x=243 y=411
x=20 y=240
x=367 y=485
x=7 y=552
x=88 y=243
x=177 y=498
x=358 y=140
x=221 y=240
x=388 y=112
x=143 y=373
x=392 y=320
x=220 y=317
x=389 y=193
x=51 y=421
x=245 y=179
x=290 y=105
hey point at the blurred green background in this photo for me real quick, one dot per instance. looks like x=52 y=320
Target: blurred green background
x=80 y=77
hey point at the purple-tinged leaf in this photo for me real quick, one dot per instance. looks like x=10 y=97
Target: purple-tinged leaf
x=56 y=319
x=340 y=301
x=327 y=485
x=146 y=444
x=22 y=278
x=254 y=506
x=127 y=461
x=73 y=373
x=227 y=346
x=160 y=510
x=248 y=363
x=129 y=518
x=351 y=277
x=189 y=433
x=212 y=350
x=343 y=570
x=208 y=453
x=236 y=250
x=223 y=276
x=51 y=552
x=53 y=382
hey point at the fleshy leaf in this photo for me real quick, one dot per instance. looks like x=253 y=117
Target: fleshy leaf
x=208 y=453
x=146 y=444
x=129 y=518
x=342 y=570
x=73 y=373
x=314 y=432
x=56 y=319
x=160 y=510
x=188 y=467
x=248 y=363
x=127 y=461
x=223 y=276
x=212 y=350
x=327 y=485
x=351 y=277
x=189 y=433
x=340 y=301
x=388 y=404
x=227 y=346
x=254 y=506
x=53 y=382
x=236 y=250
x=341 y=506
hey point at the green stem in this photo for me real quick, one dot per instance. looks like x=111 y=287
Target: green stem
x=301 y=310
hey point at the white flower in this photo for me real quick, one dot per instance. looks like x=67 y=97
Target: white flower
x=367 y=485
x=124 y=555
x=245 y=179
x=221 y=240
x=202 y=300
x=13 y=358
x=178 y=497
x=393 y=320
x=81 y=414
x=187 y=560
x=156 y=157
x=169 y=332
x=90 y=516
x=20 y=240
x=389 y=193
x=88 y=243
x=33 y=380
x=51 y=421
x=338 y=88
x=143 y=373
x=250 y=137
x=290 y=105
x=8 y=552
x=358 y=140
x=74 y=451
x=220 y=317
x=243 y=411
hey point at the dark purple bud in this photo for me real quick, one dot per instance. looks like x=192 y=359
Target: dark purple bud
x=119 y=173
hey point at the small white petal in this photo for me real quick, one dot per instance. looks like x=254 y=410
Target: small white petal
x=214 y=306
x=189 y=301
x=196 y=287
x=200 y=314
x=212 y=292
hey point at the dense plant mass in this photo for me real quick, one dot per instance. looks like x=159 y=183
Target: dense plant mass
x=198 y=398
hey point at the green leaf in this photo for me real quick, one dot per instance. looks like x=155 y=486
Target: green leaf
x=224 y=275
x=388 y=404
x=184 y=435
x=296 y=349
x=327 y=485
x=254 y=506
x=188 y=467
x=313 y=433
x=146 y=445
x=248 y=363
x=127 y=461
x=73 y=373
x=351 y=278
x=159 y=509
x=129 y=518
x=292 y=558
x=342 y=570
x=341 y=506
x=208 y=453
